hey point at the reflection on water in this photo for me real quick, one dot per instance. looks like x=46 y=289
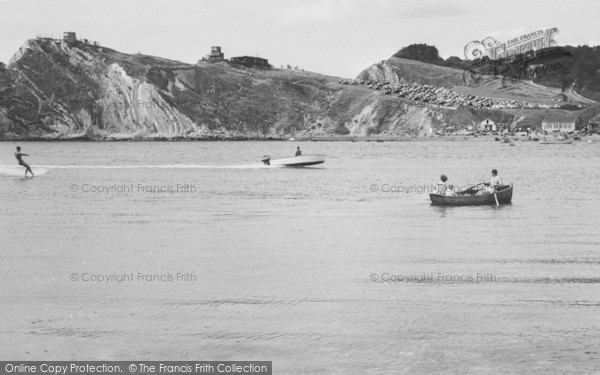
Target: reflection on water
x=284 y=259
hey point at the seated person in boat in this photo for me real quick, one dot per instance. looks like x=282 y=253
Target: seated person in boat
x=298 y=152
x=450 y=191
x=493 y=185
x=441 y=186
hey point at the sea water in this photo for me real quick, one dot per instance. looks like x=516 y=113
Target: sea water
x=197 y=251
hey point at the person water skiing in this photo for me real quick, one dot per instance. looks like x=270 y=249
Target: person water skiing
x=19 y=155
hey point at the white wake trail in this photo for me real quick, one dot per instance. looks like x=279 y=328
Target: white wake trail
x=11 y=168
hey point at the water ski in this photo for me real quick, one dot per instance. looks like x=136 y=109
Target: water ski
x=19 y=171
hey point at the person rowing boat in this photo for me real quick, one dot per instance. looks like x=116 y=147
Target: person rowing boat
x=493 y=185
x=495 y=181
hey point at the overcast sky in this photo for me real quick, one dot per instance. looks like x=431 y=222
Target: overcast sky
x=334 y=37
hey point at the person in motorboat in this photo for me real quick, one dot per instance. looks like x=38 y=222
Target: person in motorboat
x=298 y=152
x=450 y=191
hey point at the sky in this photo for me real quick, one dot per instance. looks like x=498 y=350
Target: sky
x=333 y=37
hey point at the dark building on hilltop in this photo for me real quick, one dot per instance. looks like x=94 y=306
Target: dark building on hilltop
x=250 y=61
x=69 y=36
x=215 y=55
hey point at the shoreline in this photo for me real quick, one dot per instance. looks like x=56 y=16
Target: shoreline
x=377 y=139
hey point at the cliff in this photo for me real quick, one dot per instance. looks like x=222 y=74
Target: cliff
x=53 y=89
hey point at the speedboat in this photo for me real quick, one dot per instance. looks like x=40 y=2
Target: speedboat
x=296 y=161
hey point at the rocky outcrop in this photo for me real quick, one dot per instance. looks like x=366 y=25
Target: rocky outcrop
x=396 y=70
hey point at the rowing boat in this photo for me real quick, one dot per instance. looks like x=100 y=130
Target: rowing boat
x=555 y=142
x=504 y=195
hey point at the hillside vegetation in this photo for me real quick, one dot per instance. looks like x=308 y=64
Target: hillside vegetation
x=556 y=67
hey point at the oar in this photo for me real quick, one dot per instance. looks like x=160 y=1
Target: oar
x=472 y=187
x=481 y=183
x=496 y=197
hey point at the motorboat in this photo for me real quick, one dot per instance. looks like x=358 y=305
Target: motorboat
x=296 y=161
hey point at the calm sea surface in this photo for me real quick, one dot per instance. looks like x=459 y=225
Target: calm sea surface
x=195 y=251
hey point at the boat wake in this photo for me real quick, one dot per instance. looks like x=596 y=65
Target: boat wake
x=12 y=169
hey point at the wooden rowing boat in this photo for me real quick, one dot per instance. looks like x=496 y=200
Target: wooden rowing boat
x=555 y=142
x=504 y=195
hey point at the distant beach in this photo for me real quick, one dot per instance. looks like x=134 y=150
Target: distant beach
x=324 y=138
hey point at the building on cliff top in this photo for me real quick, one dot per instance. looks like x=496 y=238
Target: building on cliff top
x=215 y=55
x=250 y=61
x=69 y=36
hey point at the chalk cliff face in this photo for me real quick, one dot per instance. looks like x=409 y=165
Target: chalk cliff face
x=74 y=89
x=56 y=89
